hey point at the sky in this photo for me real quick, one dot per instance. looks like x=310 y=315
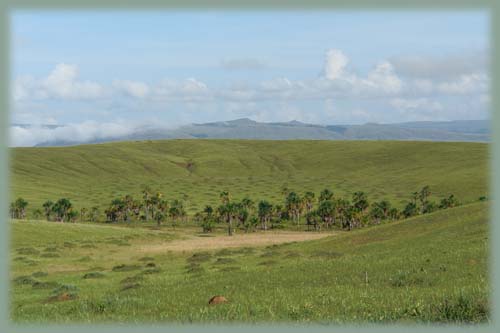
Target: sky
x=107 y=73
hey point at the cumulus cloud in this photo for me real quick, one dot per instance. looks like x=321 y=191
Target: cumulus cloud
x=465 y=84
x=189 y=89
x=61 y=83
x=335 y=63
x=132 y=88
x=390 y=82
x=380 y=80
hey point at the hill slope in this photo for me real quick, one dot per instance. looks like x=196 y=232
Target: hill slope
x=431 y=268
x=94 y=174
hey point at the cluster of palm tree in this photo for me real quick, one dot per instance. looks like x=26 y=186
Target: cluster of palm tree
x=60 y=211
x=244 y=214
x=324 y=211
x=17 y=209
x=152 y=206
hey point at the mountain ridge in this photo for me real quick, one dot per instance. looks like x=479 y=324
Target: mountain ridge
x=246 y=128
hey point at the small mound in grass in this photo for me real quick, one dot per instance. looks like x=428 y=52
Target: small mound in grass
x=128 y=286
x=224 y=261
x=150 y=264
x=96 y=268
x=28 y=251
x=44 y=285
x=50 y=255
x=292 y=254
x=199 y=257
x=126 y=268
x=132 y=279
x=69 y=245
x=93 y=275
x=64 y=288
x=147 y=259
x=327 y=254
x=268 y=263
x=194 y=268
x=151 y=271
x=268 y=254
x=39 y=274
x=50 y=249
x=24 y=279
x=62 y=297
x=217 y=300
x=229 y=269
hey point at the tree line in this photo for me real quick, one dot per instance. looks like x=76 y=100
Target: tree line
x=322 y=211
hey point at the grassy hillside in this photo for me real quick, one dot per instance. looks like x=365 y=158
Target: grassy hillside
x=429 y=268
x=94 y=174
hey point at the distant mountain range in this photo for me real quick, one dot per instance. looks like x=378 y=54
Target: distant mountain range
x=459 y=130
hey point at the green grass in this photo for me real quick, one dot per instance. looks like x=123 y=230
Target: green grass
x=431 y=268
x=92 y=175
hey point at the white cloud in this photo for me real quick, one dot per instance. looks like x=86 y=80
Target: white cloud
x=189 y=89
x=72 y=133
x=384 y=79
x=380 y=80
x=465 y=84
x=335 y=63
x=132 y=88
x=61 y=83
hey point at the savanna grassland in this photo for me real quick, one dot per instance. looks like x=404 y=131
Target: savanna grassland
x=427 y=268
x=92 y=175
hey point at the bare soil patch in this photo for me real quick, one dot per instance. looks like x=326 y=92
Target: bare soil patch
x=241 y=240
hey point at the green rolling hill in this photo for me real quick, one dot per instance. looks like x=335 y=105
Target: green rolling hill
x=92 y=175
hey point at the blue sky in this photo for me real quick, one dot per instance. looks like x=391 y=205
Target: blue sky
x=173 y=68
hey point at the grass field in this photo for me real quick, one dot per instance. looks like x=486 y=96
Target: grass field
x=92 y=175
x=431 y=268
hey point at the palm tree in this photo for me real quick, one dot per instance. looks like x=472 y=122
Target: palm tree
x=308 y=201
x=47 y=206
x=176 y=211
x=248 y=204
x=37 y=213
x=232 y=213
x=265 y=210
x=128 y=207
x=18 y=208
x=159 y=217
x=423 y=195
x=225 y=197
x=326 y=211
x=94 y=214
x=146 y=197
x=410 y=209
x=293 y=206
x=61 y=208
x=83 y=214
x=360 y=201
x=326 y=194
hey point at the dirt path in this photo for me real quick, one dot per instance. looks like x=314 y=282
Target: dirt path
x=240 y=240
